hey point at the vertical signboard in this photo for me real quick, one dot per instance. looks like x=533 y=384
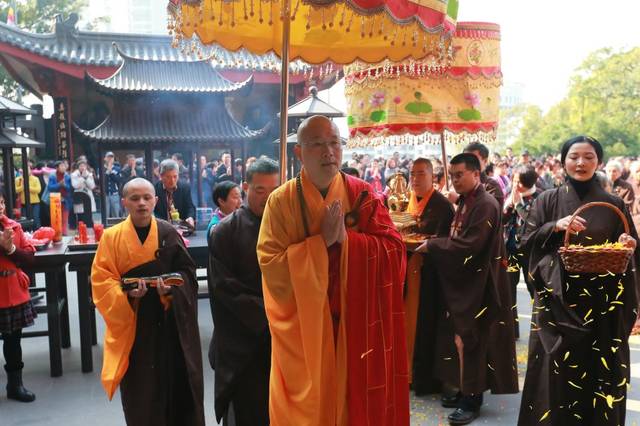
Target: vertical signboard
x=63 y=129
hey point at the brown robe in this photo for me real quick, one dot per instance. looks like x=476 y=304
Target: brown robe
x=163 y=385
x=435 y=220
x=240 y=350
x=578 y=363
x=475 y=291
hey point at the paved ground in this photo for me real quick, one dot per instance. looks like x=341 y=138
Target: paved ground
x=77 y=399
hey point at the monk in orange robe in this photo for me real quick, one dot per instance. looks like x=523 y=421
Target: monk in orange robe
x=152 y=344
x=333 y=268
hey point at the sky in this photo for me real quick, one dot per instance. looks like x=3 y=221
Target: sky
x=543 y=41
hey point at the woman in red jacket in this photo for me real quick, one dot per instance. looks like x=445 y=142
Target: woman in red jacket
x=16 y=309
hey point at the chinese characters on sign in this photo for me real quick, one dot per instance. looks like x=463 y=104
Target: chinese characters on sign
x=63 y=131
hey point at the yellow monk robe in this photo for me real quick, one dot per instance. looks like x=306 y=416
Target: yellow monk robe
x=309 y=379
x=414 y=279
x=119 y=251
x=307 y=367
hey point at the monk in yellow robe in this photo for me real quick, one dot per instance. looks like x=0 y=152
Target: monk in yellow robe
x=152 y=344
x=333 y=269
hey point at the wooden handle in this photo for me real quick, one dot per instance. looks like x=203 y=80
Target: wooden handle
x=567 y=235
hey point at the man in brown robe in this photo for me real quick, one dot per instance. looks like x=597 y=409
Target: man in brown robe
x=490 y=185
x=152 y=344
x=240 y=350
x=434 y=213
x=476 y=343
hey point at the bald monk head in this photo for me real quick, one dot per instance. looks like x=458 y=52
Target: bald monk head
x=319 y=149
x=139 y=197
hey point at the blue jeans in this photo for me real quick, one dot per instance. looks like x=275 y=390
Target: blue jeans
x=114 y=209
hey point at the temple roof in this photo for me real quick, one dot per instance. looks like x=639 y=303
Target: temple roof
x=312 y=105
x=9 y=107
x=170 y=124
x=10 y=139
x=69 y=45
x=146 y=75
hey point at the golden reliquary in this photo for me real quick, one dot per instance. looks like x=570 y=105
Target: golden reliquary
x=398 y=202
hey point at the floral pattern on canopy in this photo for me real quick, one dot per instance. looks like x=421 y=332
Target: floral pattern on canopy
x=410 y=103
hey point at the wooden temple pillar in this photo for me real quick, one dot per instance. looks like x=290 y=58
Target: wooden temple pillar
x=9 y=181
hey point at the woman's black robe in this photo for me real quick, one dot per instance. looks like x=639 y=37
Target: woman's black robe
x=578 y=367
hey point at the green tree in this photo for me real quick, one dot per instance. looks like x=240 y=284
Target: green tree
x=35 y=16
x=603 y=101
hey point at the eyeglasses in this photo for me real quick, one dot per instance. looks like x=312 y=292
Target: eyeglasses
x=457 y=175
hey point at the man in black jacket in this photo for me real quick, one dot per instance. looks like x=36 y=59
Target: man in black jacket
x=173 y=195
x=240 y=350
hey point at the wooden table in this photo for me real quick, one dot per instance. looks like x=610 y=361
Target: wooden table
x=52 y=262
x=80 y=263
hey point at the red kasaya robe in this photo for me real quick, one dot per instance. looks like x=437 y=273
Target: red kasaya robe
x=338 y=357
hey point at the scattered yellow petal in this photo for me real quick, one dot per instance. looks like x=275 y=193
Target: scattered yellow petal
x=544 y=416
x=604 y=362
x=489 y=223
x=574 y=385
x=566 y=356
x=466 y=259
x=489 y=365
x=623 y=382
x=481 y=312
x=588 y=313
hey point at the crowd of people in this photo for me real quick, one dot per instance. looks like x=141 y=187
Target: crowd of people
x=323 y=314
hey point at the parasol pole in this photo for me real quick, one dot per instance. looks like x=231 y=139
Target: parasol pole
x=443 y=146
x=284 y=89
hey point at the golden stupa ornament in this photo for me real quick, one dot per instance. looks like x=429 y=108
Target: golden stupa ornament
x=398 y=202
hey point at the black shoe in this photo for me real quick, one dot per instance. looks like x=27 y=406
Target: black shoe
x=15 y=389
x=462 y=417
x=451 y=400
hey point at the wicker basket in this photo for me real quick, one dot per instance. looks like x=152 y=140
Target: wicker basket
x=595 y=260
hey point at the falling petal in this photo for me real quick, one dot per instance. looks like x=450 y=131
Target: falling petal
x=481 y=312
x=566 y=356
x=466 y=259
x=574 y=385
x=604 y=362
x=544 y=416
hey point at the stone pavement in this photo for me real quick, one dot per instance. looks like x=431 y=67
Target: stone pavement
x=77 y=399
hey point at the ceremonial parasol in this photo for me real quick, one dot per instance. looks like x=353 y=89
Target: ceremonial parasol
x=408 y=103
x=319 y=31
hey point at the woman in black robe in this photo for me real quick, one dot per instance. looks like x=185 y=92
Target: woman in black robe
x=578 y=367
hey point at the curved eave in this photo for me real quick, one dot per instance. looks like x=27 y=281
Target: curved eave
x=107 y=87
x=95 y=135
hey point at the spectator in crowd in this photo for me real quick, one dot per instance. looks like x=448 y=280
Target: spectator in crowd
x=373 y=176
x=173 y=195
x=391 y=169
x=227 y=196
x=621 y=187
x=112 y=185
x=82 y=181
x=34 y=195
x=225 y=166
x=131 y=170
x=60 y=181
x=183 y=172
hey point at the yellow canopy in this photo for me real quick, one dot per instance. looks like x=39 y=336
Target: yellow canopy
x=321 y=30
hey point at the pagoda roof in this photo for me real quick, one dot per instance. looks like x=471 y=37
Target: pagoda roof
x=313 y=105
x=69 y=45
x=9 y=107
x=137 y=75
x=168 y=124
x=11 y=139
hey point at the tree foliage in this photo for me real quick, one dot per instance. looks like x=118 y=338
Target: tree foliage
x=603 y=101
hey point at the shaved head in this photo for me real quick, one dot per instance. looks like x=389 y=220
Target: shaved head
x=137 y=183
x=310 y=126
x=319 y=148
